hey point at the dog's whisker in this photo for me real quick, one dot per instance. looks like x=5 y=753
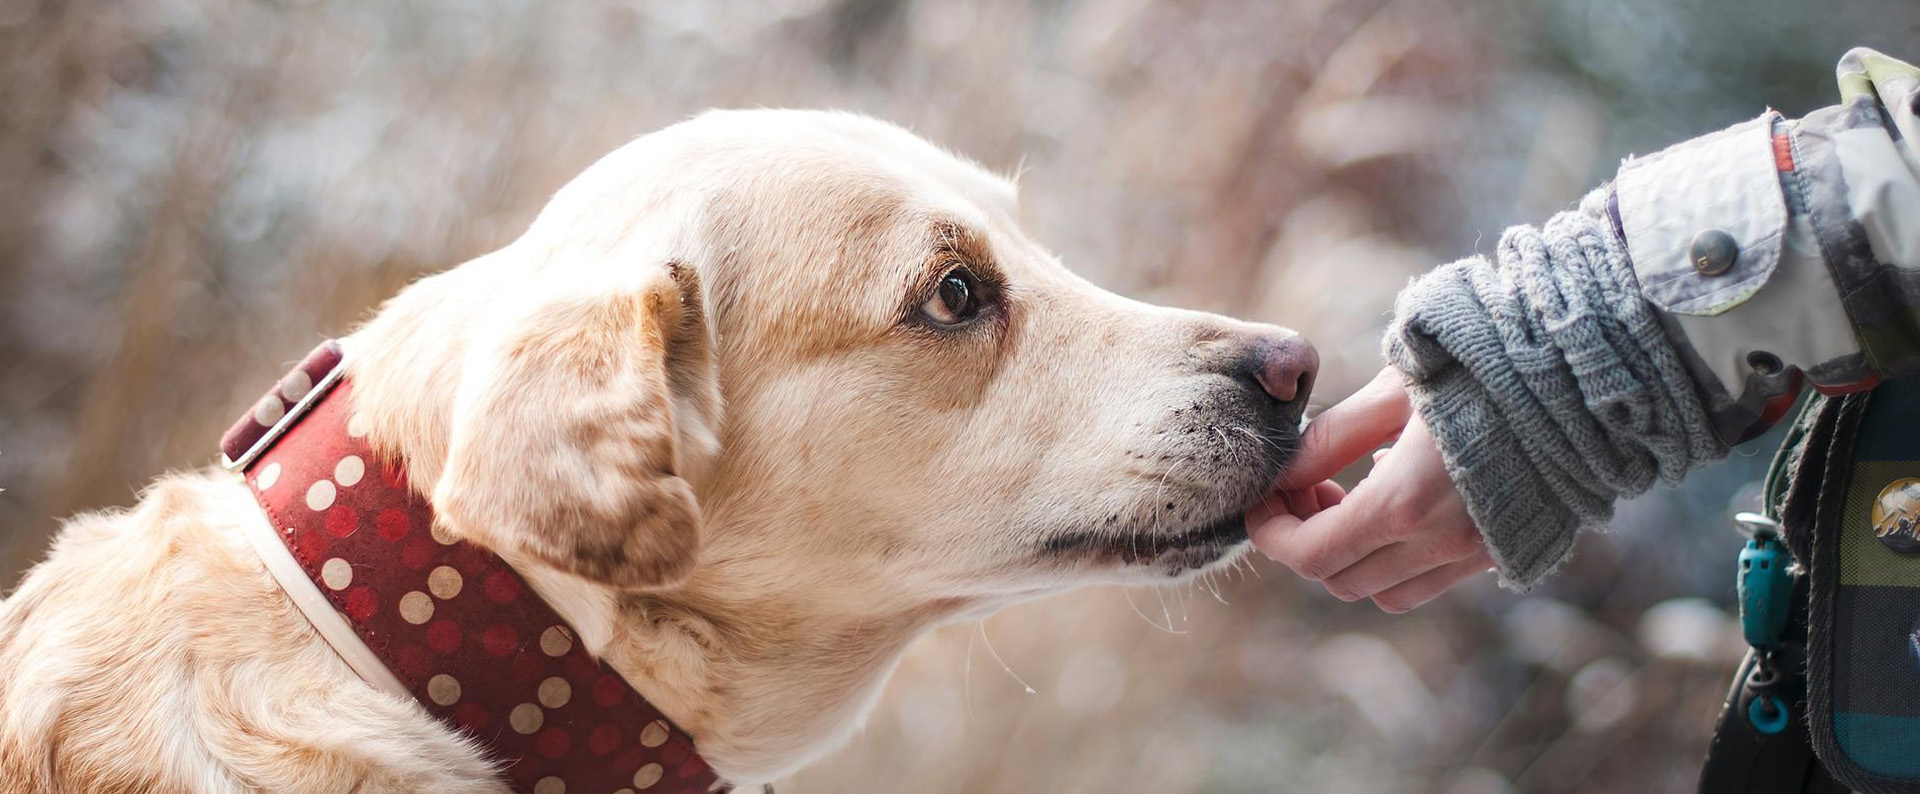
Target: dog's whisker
x=1168 y=629
x=966 y=677
x=982 y=626
x=1213 y=587
x=1165 y=612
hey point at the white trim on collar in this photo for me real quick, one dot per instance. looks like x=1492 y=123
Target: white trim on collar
x=301 y=590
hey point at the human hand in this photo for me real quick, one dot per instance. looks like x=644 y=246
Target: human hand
x=1402 y=537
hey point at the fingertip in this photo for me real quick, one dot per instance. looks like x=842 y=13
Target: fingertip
x=1329 y=493
x=1267 y=535
x=1393 y=609
x=1350 y=429
x=1274 y=503
x=1342 y=593
x=1303 y=503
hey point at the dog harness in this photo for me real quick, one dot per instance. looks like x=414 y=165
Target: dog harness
x=426 y=616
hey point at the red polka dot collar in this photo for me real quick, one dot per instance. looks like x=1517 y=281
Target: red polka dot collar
x=450 y=623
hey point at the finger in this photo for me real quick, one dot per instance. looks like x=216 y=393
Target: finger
x=1347 y=431
x=1413 y=593
x=1274 y=505
x=1303 y=503
x=1329 y=493
x=1308 y=502
x=1299 y=504
x=1321 y=546
x=1403 y=561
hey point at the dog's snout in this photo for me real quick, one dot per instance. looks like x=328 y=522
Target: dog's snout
x=1284 y=366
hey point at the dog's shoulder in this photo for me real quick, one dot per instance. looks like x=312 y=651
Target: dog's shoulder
x=151 y=651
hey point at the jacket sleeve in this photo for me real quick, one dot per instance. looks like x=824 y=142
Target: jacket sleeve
x=1675 y=312
x=1783 y=253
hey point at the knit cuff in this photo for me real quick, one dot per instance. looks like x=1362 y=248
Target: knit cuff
x=1550 y=387
x=1528 y=532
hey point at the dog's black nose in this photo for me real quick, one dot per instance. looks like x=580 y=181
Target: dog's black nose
x=1284 y=365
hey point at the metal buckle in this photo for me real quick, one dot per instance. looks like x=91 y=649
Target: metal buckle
x=293 y=414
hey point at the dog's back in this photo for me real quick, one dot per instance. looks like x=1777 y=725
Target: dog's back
x=151 y=652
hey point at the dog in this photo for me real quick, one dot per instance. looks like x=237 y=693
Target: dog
x=756 y=400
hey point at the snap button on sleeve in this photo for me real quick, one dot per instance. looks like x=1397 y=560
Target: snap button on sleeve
x=1713 y=252
x=1765 y=364
x=1704 y=221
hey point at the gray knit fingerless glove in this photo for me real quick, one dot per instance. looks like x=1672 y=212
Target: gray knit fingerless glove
x=1550 y=386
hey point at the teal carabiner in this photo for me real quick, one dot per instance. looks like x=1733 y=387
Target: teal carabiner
x=1766 y=588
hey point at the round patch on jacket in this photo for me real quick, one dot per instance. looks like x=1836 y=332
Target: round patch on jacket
x=1896 y=515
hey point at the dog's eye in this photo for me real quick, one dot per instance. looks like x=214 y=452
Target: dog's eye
x=957 y=299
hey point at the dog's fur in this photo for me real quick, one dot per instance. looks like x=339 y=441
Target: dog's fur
x=699 y=407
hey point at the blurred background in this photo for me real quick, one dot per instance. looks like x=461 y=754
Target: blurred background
x=193 y=192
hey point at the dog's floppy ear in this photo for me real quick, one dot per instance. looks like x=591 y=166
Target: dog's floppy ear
x=565 y=446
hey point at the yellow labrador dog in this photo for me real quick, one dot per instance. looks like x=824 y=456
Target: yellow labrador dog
x=757 y=400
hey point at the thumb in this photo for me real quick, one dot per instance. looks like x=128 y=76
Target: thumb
x=1348 y=431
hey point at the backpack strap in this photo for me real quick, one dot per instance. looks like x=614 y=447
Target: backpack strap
x=1863 y=664
x=1762 y=742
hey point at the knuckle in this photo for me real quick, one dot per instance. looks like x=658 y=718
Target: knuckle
x=1398 y=513
x=1462 y=542
x=1317 y=434
x=1315 y=566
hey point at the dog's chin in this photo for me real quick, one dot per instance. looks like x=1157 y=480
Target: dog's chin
x=1202 y=549
x=1214 y=534
x=1157 y=555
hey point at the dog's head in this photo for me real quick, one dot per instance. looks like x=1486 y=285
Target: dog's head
x=811 y=354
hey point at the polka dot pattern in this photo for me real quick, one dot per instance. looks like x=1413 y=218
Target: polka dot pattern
x=443 y=689
x=553 y=742
x=268 y=411
x=604 y=739
x=320 y=495
x=342 y=521
x=349 y=471
x=500 y=639
x=654 y=735
x=555 y=692
x=444 y=637
x=295 y=386
x=391 y=524
x=526 y=718
x=336 y=574
x=445 y=582
x=556 y=641
x=416 y=608
x=269 y=475
x=361 y=603
x=275 y=404
x=454 y=622
x=502 y=587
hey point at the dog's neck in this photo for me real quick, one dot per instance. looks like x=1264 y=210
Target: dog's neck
x=761 y=697
x=766 y=695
